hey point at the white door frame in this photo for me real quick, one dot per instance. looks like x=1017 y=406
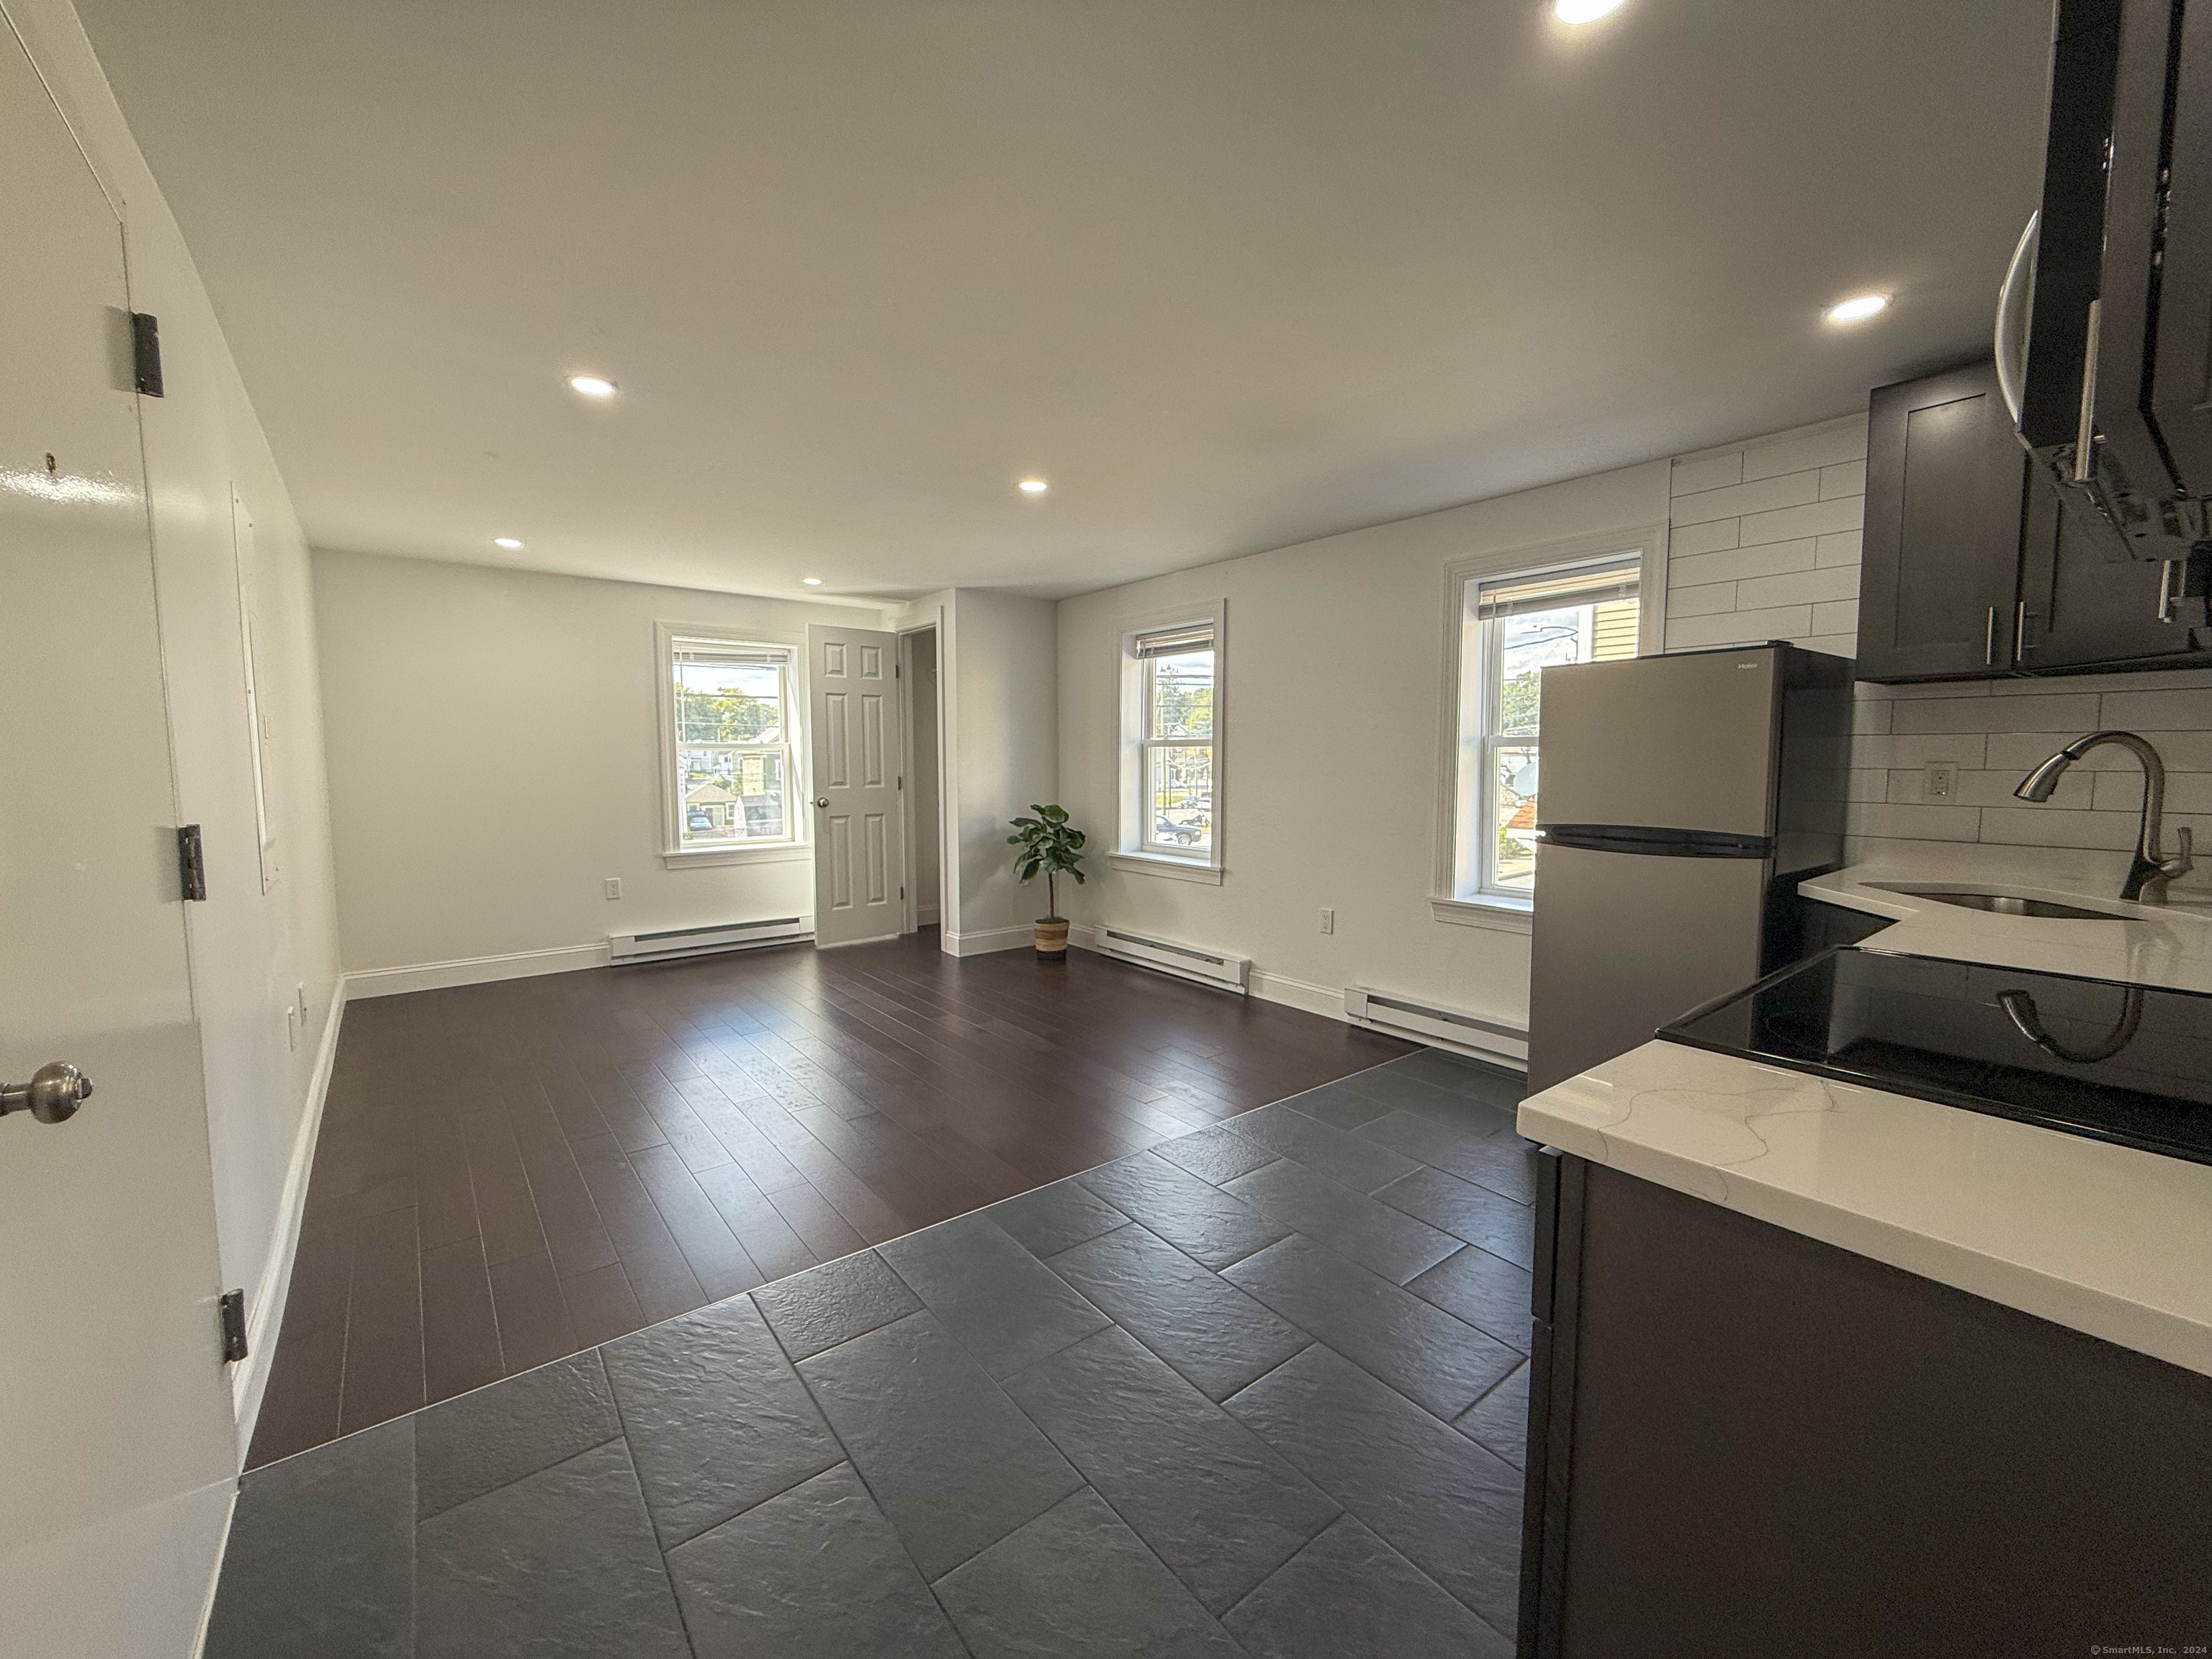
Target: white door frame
x=909 y=825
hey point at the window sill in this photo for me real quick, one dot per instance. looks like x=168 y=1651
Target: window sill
x=1155 y=864
x=708 y=858
x=1501 y=916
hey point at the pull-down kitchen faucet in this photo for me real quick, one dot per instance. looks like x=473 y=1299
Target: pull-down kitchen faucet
x=2150 y=869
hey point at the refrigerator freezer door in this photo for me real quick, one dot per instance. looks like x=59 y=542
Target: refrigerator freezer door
x=1663 y=743
x=1624 y=943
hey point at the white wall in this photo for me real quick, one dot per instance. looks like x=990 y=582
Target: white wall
x=250 y=952
x=1331 y=751
x=1001 y=685
x=493 y=757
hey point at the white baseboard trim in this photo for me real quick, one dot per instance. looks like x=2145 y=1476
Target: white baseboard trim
x=265 y=1308
x=473 y=970
x=1298 y=994
x=985 y=940
x=924 y=915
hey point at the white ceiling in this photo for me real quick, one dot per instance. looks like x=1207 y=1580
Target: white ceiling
x=1230 y=273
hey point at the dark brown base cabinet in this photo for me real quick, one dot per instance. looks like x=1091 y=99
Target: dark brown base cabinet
x=1744 y=1442
x=1976 y=563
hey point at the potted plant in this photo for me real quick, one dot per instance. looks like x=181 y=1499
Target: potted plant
x=1050 y=844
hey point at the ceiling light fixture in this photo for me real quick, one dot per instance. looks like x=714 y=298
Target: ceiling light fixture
x=1583 y=11
x=591 y=386
x=1033 y=486
x=811 y=581
x=1857 y=308
x=508 y=542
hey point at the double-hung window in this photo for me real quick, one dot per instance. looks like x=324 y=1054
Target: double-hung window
x=1171 y=738
x=728 y=722
x=1512 y=627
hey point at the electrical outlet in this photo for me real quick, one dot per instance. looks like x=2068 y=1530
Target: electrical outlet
x=613 y=885
x=1941 y=780
x=1328 y=922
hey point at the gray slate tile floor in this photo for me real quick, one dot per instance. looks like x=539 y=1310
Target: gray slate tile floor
x=1261 y=1392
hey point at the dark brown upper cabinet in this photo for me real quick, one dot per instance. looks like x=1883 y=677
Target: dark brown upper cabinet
x=1978 y=564
x=1940 y=577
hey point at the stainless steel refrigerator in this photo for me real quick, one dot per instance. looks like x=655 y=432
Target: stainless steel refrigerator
x=1683 y=799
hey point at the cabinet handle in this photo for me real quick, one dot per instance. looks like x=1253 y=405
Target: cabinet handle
x=1989 y=638
x=2019 y=631
x=2166 y=590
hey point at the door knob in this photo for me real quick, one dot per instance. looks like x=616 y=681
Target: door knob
x=51 y=1096
x=822 y=801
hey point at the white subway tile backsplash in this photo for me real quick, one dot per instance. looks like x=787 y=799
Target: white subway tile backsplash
x=1686 y=541
x=2182 y=751
x=1849 y=479
x=1792 y=489
x=1799 y=587
x=1994 y=714
x=1838 y=547
x=1715 y=472
x=1733 y=563
x=1839 y=617
x=1839 y=444
x=1816 y=519
x=1705 y=601
x=2074 y=790
x=1836 y=645
x=2122 y=792
x=2158 y=711
x=1961 y=748
x=1738 y=628
x=2023 y=825
x=1919 y=823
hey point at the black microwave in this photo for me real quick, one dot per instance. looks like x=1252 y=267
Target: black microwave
x=2104 y=334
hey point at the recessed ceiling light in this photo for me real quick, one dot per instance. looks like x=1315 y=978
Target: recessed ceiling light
x=506 y=542
x=1033 y=486
x=1583 y=11
x=591 y=386
x=811 y=581
x=1857 y=308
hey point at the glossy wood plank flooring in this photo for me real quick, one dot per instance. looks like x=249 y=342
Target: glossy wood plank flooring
x=509 y=1173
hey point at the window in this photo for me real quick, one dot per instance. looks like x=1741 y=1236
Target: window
x=728 y=720
x=1172 y=735
x=1512 y=627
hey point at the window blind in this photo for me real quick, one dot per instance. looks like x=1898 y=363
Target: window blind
x=1175 y=642
x=711 y=650
x=1519 y=596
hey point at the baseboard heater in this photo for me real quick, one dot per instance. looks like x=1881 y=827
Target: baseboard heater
x=1183 y=961
x=1444 y=1028
x=670 y=943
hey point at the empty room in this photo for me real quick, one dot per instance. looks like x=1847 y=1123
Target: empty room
x=1161 y=828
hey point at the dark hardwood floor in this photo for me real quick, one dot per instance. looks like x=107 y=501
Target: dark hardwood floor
x=509 y=1173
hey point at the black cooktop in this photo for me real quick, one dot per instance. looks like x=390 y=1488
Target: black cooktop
x=2126 y=1063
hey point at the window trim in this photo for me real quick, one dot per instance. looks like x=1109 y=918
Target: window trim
x=674 y=855
x=1647 y=543
x=1131 y=851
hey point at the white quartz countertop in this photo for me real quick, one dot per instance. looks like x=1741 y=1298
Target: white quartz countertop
x=2105 y=1239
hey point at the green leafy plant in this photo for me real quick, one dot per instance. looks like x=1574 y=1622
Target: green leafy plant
x=1050 y=845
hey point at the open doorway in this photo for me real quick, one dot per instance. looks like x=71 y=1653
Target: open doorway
x=925 y=794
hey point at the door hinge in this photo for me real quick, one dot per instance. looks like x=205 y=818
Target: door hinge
x=901 y=892
x=231 y=1309
x=898 y=671
x=191 y=862
x=146 y=354
x=902 y=780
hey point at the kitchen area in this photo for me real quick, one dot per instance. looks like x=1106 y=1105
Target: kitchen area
x=1871 y=1043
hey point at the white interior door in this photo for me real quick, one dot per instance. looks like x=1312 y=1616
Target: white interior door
x=859 y=848
x=116 y=1453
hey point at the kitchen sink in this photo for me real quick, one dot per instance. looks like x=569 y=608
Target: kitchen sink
x=2003 y=905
